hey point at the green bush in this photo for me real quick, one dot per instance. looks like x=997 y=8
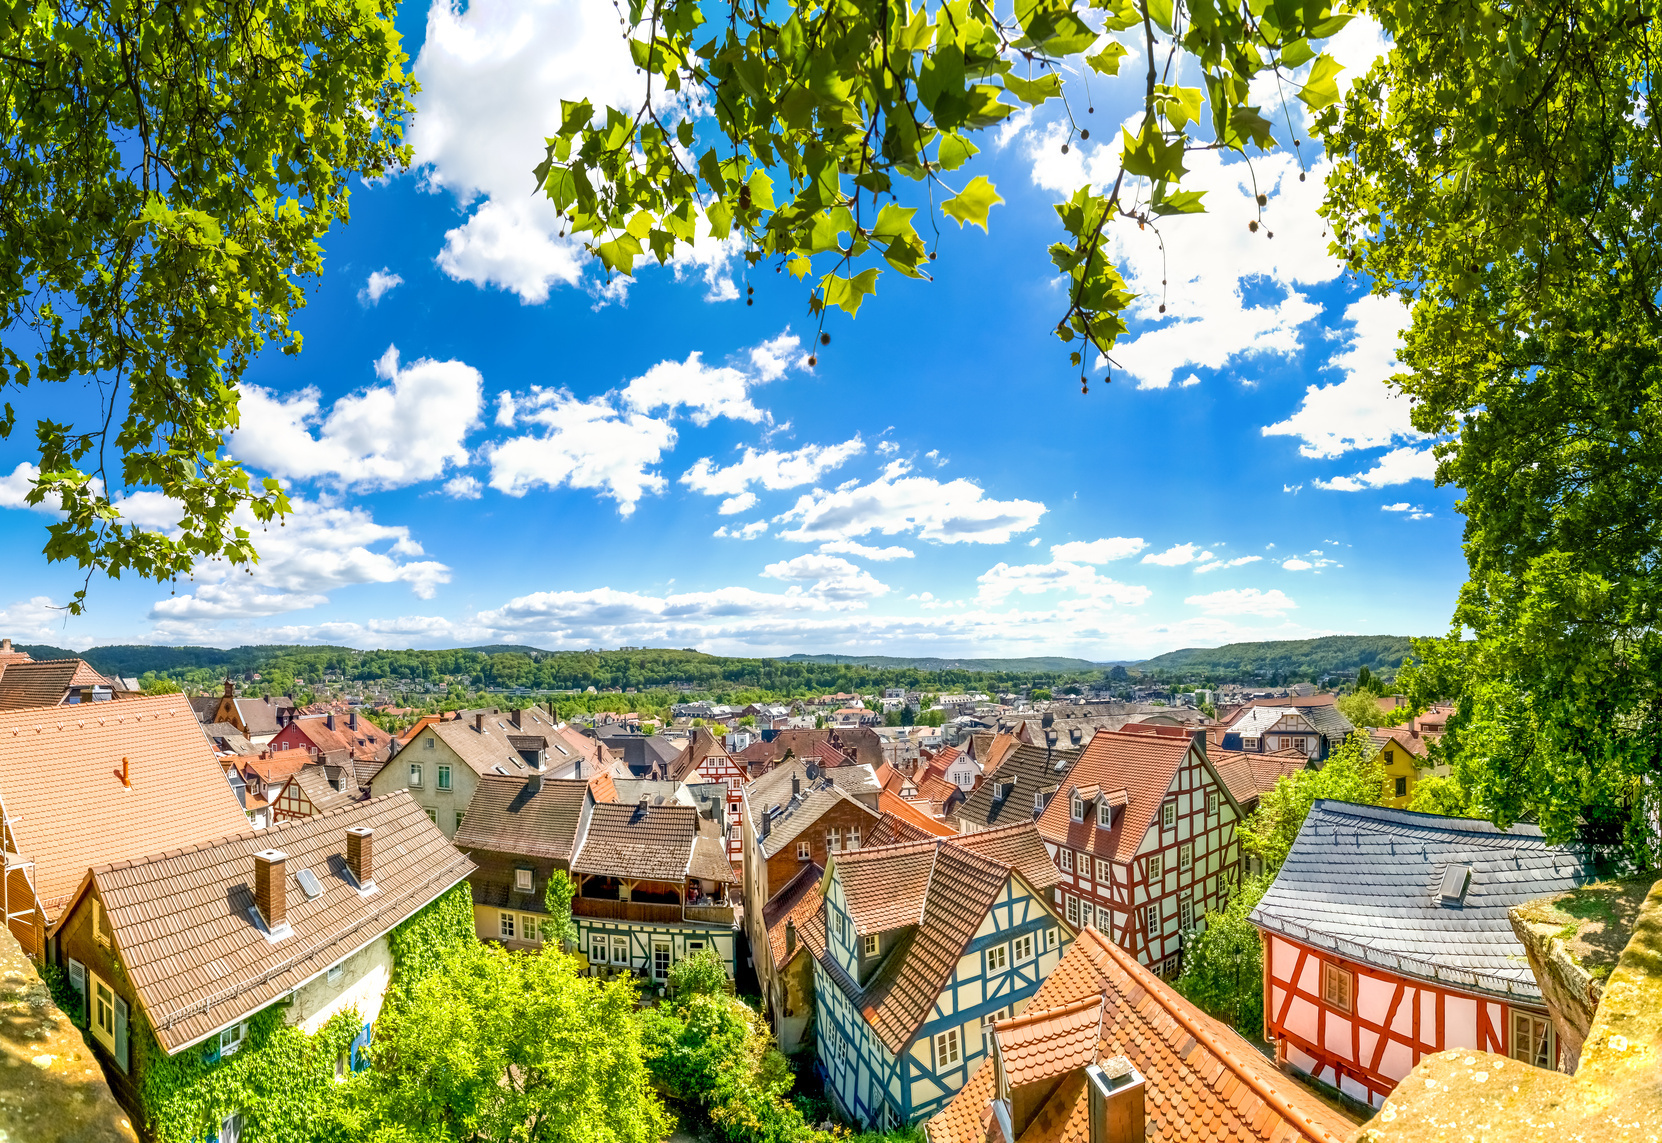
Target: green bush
x=701 y=974
x=1223 y=965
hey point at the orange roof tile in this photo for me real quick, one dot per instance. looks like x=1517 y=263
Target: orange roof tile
x=797 y=903
x=1143 y=765
x=1043 y=1043
x=893 y=804
x=1205 y=1083
x=70 y=811
x=1018 y=846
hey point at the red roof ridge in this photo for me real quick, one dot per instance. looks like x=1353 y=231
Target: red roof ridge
x=1032 y=1016
x=1178 y=1011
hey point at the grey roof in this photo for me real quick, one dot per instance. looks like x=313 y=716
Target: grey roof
x=1365 y=881
x=1033 y=770
x=1256 y=720
x=791 y=814
x=1327 y=719
x=641 y=752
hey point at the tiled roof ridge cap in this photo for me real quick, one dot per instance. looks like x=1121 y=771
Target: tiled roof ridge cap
x=24 y=713
x=1152 y=985
x=1032 y=1016
x=996 y=831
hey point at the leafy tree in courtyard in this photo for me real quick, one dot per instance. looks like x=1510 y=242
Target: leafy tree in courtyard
x=557 y=896
x=1363 y=710
x=166 y=175
x=1352 y=773
x=1223 y=965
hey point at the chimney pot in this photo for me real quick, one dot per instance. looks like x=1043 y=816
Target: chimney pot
x=271 y=887
x=790 y=937
x=360 y=854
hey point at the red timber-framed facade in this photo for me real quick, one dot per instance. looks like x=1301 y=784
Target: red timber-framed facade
x=705 y=759
x=1386 y=940
x=1142 y=831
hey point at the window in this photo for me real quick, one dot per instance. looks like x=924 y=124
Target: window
x=230 y=1039
x=946 y=1049
x=1336 y=987
x=1073 y=910
x=997 y=958
x=415 y=775
x=528 y=928
x=833 y=839
x=430 y=742
x=597 y=948
x=1168 y=967
x=1532 y=1040
x=1151 y=917
x=1249 y=744
x=335 y=972
x=871 y=944
x=1024 y=947
x=507 y=926
x=1156 y=867
x=1077 y=806
x=854 y=837
x=620 y=950
x=804 y=851
x=1211 y=803
x=524 y=881
x=433 y=816
x=1168 y=815
x=444 y=777
x=1038 y=800
x=1066 y=856
x=1185 y=914
x=78 y=985
x=459 y=816
x=1104 y=871
x=1301 y=744
x=1104 y=920
x=660 y=960
x=1084 y=864
x=103 y=1013
x=987 y=1023
x=1402 y=787
x=1185 y=855
x=1104 y=813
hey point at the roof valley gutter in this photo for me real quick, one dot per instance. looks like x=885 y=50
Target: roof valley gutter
x=207 y=1005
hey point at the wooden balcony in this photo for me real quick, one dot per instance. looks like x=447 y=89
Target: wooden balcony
x=710 y=914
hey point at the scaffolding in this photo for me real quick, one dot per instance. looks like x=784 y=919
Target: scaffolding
x=13 y=862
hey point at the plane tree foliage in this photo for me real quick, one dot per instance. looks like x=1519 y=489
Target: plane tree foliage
x=1498 y=172
x=824 y=110
x=167 y=174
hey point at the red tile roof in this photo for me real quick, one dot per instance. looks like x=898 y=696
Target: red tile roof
x=1205 y=1084
x=1043 y=1043
x=907 y=812
x=798 y=904
x=1018 y=846
x=1143 y=765
x=1250 y=776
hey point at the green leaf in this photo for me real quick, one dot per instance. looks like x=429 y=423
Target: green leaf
x=1247 y=123
x=575 y=116
x=1034 y=92
x=973 y=202
x=1321 y=89
x=1182 y=105
x=1297 y=54
x=1160 y=11
x=1152 y=156
x=620 y=253
x=954 y=152
x=1107 y=61
x=1183 y=202
x=848 y=293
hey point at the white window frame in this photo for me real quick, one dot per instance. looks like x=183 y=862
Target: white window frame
x=1185 y=915
x=430 y=741
x=415 y=775
x=853 y=837
x=620 y=943
x=1168 y=815
x=1066 y=858
x=525 y=880
x=442 y=778
x=1104 y=920
x=230 y=1039
x=995 y=958
x=1076 y=808
x=1024 y=947
x=1185 y=856
x=1338 y=987
x=597 y=948
x=528 y=928
x=1151 y=920
x=1156 y=867
x=1104 y=814
x=1524 y=1037
x=1038 y=799
x=871 y=944
x=1211 y=803
x=804 y=851
x=336 y=971
x=1249 y=743
x=1073 y=909
x=103 y=1012
x=987 y=1023
x=946 y=1049
x=1104 y=871
x=506 y=924
x=833 y=839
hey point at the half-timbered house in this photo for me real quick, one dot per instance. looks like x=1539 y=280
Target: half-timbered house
x=1386 y=939
x=706 y=760
x=924 y=946
x=1143 y=835
x=309 y=791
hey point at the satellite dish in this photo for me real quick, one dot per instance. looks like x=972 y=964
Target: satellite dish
x=1048 y=720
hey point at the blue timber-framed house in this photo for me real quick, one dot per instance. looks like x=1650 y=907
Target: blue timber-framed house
x=921 y=946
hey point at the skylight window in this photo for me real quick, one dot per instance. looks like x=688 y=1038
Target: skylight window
x=1455 y=880
x=310 y=884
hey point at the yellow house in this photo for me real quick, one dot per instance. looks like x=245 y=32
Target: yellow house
x=1399 y=753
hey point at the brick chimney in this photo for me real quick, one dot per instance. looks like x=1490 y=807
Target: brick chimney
x=513 y=717
x=479 y=722
x=1116 y=1101
x=1198 y=737
x=360 y=854
x=271 y=887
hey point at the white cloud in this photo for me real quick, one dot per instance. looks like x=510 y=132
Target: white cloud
x=15 y=488
x=1001 y=580
x=772 y=359
x=384 y=436
x=733 y=505
x=706 y=391
x=1097 y=551
x=381 y=282
x=462 y=488
x=1177 y=556
x=771 y=469
x=318 y=550
x=831 y=578
x=1243 y=601
x=1361 y=411
x=35 y=619
x=887 y=448
x=492 y=74
x=855 y=548
x=745 y=532
x=1296 y=564
x=948 y=513
x=1402 y=507
x=1239 y=561
x=1316 y=562
x=1398 y=466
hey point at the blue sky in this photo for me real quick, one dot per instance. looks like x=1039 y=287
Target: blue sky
x=488 y=443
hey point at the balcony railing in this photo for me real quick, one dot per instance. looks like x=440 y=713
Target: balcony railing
x=651 y=913
x=710 y=914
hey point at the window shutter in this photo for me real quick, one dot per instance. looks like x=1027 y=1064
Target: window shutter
x=78 y=982
x=121 y=1034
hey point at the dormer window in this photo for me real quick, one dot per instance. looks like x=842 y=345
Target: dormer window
x=1078 y=806
x=1104 y=814
x=1038 y=800
x=871 y=944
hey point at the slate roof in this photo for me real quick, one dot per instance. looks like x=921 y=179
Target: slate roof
x=527 y=817
x=70 y=811
x=642 y=753
x=938 y=888
x=314 y=782
x=1256 y=720
x=1140 y=764
x=1205 y=1084
x=830 y=787
x=653 y=843
x=1033 y=769
x=798 y=902
x=196 y=958
x=43 y=682
x=1364 y=880
x=1327 y=719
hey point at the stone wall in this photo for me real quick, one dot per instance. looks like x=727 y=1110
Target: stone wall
x=1571 y=992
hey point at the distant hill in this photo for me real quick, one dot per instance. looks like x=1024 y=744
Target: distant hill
x=133 y=659
x=43 y=651
x=1298 y=658
x=1041 y=663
